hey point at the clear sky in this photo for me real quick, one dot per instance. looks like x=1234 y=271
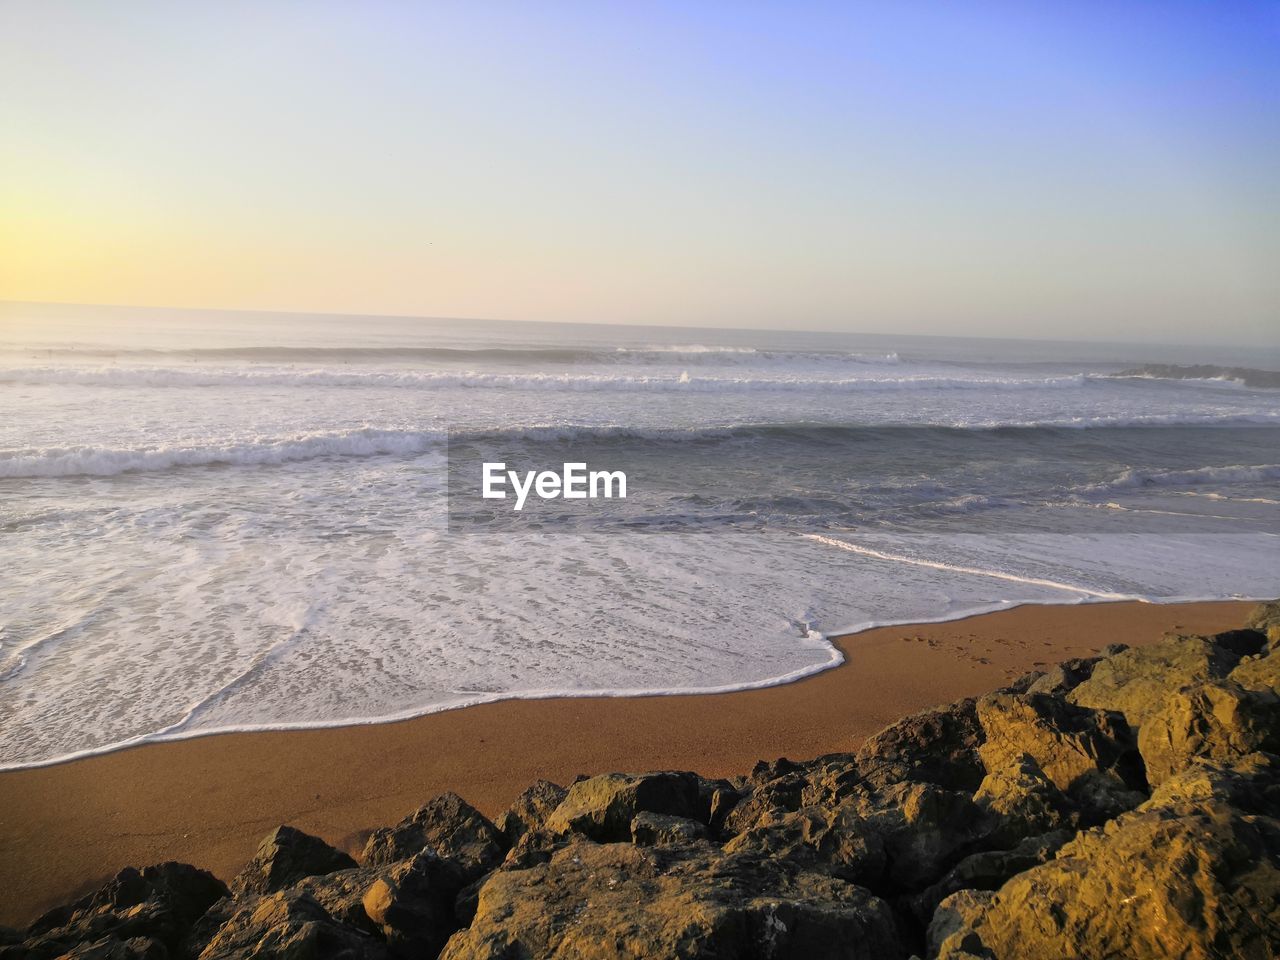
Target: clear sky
x=1072 y=169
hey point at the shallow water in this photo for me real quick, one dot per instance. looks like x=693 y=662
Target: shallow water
x=221 y=521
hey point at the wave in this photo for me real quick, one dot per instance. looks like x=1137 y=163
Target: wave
x=1200 y=476
x=427 y=380
x=1245 y=376
x=368 y=441
x=112 y=461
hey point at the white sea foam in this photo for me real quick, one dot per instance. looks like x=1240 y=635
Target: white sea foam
x=139 y=376
x=1198 y=476
x=335 y=591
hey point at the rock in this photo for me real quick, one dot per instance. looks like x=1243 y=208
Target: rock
x=1265 y=618
x=449 y=827
x=1024 y=801
x=412 y=904
x=1089 y=755
x=1259 y=671
x=1192 y=883
x=159 y=903
x=901 y=838
x=1137 y=681
x=530 y=810
x=602 y=808
x=284 y=857
x=1211 y=721
x=286 y=926
x=937 y=746
x=1250 y=784
x=1065 y=676
x=655 y=828
x=617 y=900
x=989 y=870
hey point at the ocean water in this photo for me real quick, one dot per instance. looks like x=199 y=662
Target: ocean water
x=230 y=521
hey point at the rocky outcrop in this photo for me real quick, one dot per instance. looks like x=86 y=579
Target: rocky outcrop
x=1118 y=806
x=617 y=900
x=602 y=808
x=1198 y=881
x=530 y=810
x=447 y=826
x=1135 y=683
x=286 y=856
x=136 y=913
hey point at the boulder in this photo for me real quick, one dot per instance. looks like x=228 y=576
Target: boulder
x=1089 y=755
x=283 y=926
x=1260 y=671
x=1265 y=618
x=988 y=870
x=412 y=904
x=284 y=857
x=1065 y=677
x=901 y=838
x=621 y=901
x=1195 y=882
x=1024 y=802
x=449 y=827
x=602 y=808
x=1210 y=721
x=648 y=829
x=159 y=903
x=530 y=810
x=1136 y=682
x=936 y=746
x=1250 y=784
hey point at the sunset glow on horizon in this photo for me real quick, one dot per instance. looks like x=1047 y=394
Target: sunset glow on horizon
x=983 y=169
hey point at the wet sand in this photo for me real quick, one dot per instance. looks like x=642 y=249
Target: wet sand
x=208 y=801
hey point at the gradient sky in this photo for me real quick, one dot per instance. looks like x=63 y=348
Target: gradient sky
x=1075 y=169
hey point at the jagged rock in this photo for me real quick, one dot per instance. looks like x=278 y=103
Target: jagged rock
x=1265 y=618
x=617 y=900
x=936 y=746
x=448 y=826
x=1212 y=721
x=1259 y=671
x=1065 y=676
x=284 y=926
x=1137 y=681
x=722 y=803
x=653 y=828
x=412 y=904
x=1024 y=801
x=1088 y=754
x=1197 y=882
x=989 y=870
x=159 y=903
x=901 y=838
x=602 y=808
x=1251 y=784
x=284 y=857
x=530 y=810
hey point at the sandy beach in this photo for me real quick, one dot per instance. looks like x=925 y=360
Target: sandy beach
x=209 y=800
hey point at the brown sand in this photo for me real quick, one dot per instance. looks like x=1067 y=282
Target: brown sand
x=209 y=800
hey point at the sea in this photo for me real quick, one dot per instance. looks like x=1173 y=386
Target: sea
x=215 y=521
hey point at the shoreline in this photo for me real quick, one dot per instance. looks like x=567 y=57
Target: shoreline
x=838 y=657
x=209 y=798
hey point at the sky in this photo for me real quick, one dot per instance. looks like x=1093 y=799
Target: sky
x=1091 y=170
